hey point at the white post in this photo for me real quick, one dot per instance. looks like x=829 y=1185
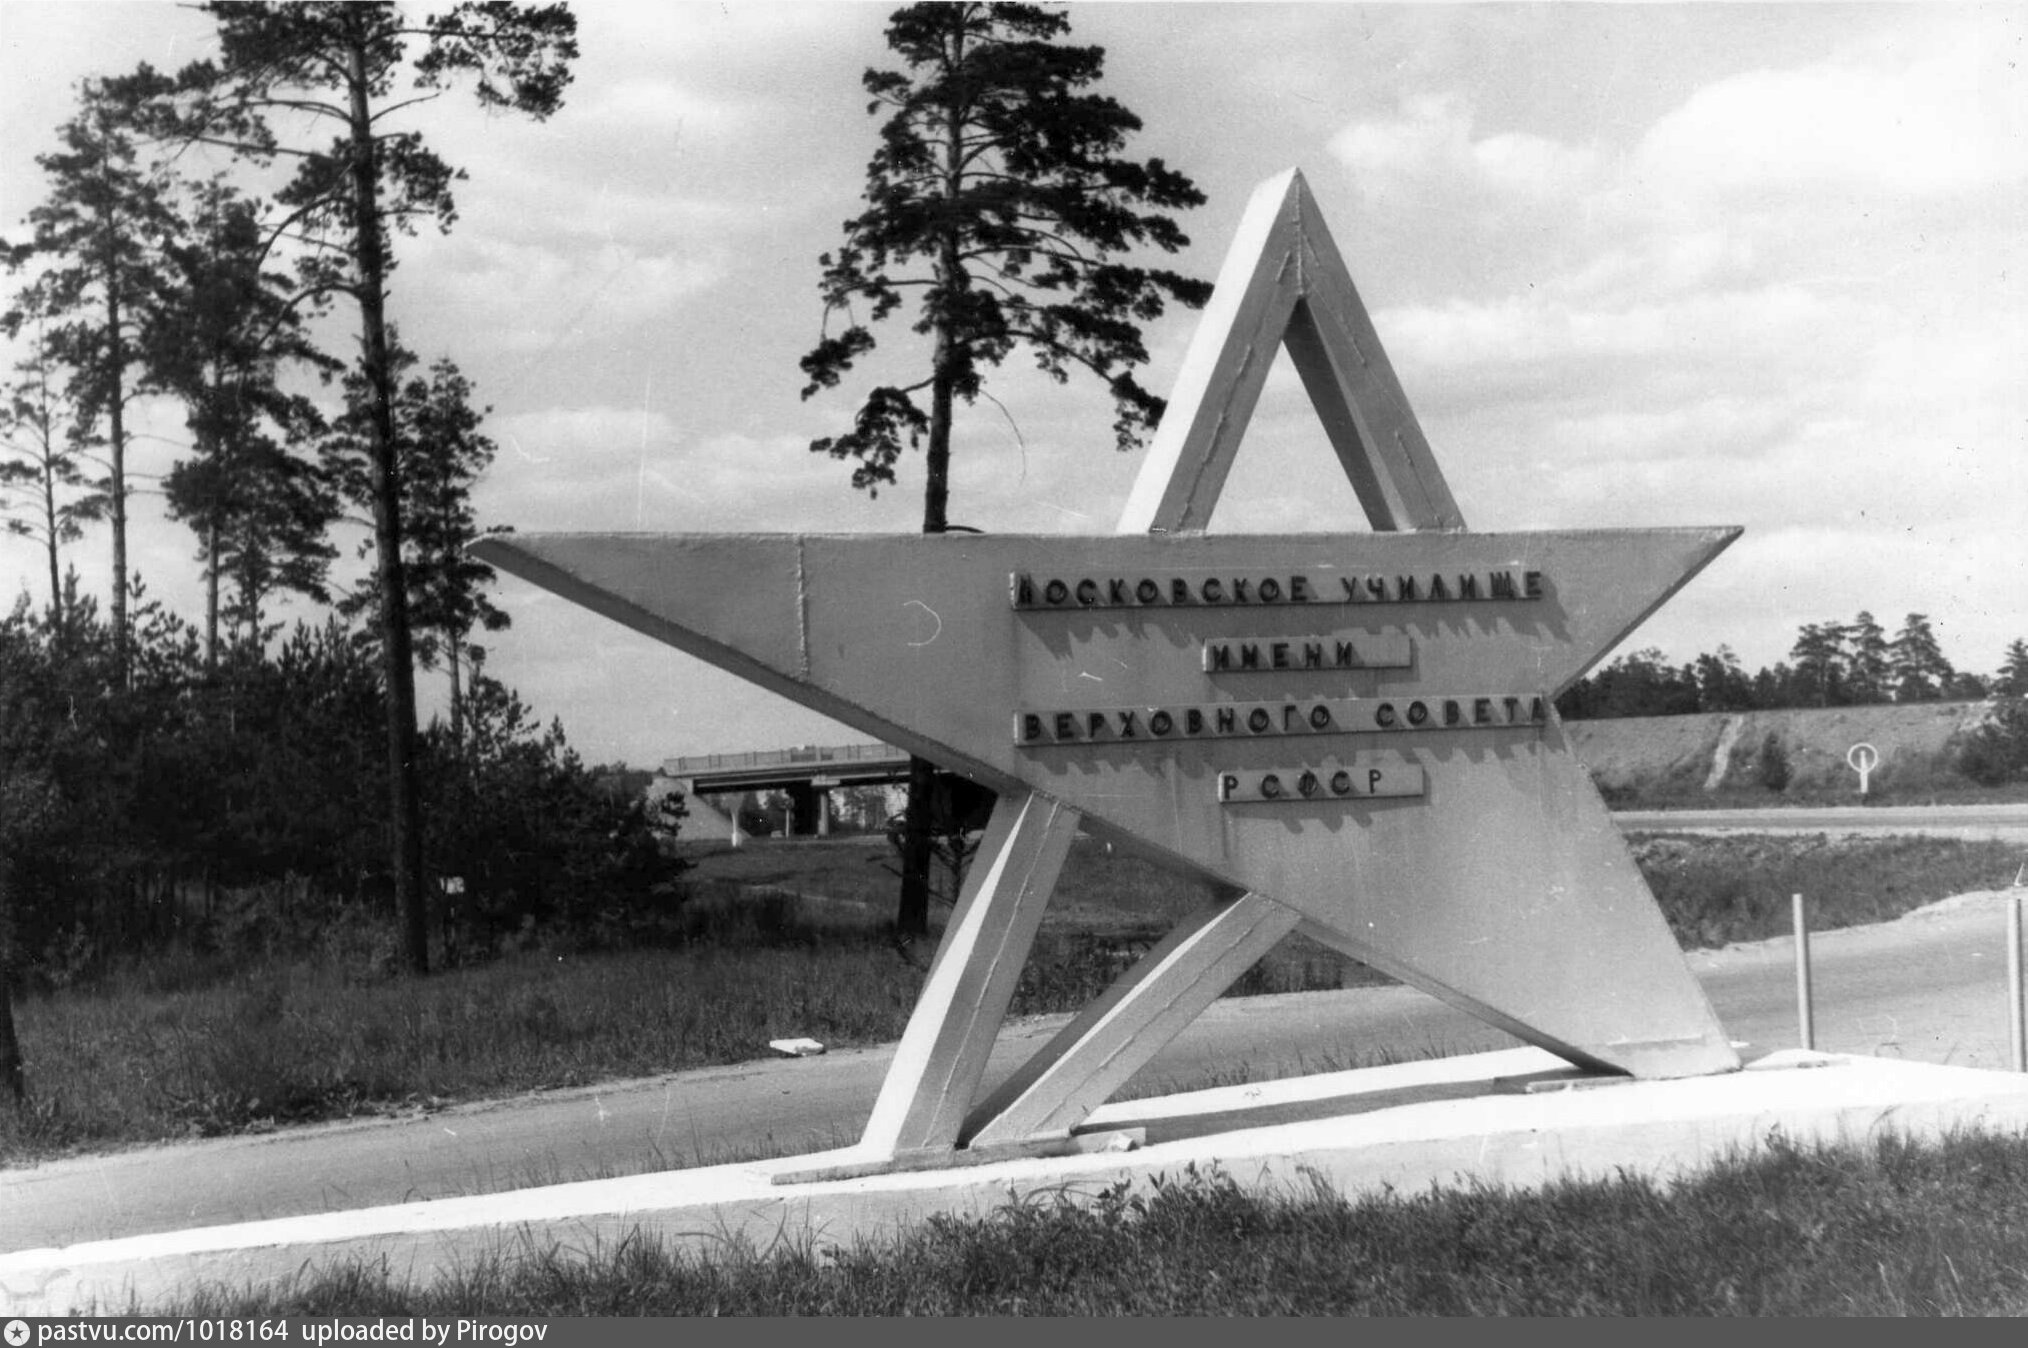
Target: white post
x=2017 y=1007
x=1804 y=1018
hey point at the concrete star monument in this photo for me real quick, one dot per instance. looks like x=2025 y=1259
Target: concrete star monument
x=1351 y=734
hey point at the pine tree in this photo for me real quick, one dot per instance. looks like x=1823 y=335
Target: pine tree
x=1721 y=684
x=442 y=454
x=2013 y=679
x=1867 y=676
x=221 y=341
x=1000 y=201
x=1819 y=655
x=1917 y=664
x=43 y=490
x=99 y=241
x=340 y=65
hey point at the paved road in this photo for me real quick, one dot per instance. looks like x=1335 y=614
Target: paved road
x=1930 y=986
x=2009 y=822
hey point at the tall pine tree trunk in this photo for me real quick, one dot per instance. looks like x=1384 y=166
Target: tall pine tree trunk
x=457 y=651
x=917 y=841
x=51 y=534
x=116 y=411
x=918 y=823
x=404 y=804
x=13 y=1072
x=211 y=594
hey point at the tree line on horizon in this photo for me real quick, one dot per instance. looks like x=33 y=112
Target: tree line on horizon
x=1831 y=664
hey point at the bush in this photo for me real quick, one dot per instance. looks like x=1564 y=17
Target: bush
x=1774 y=763
x=1997 y=752
x=197 y=810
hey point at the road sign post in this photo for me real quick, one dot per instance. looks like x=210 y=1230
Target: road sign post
x=1863 y=758
x=2017 y=1006
x=1806 y=1025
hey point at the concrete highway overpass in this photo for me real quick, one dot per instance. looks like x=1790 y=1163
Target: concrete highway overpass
x=807 y=775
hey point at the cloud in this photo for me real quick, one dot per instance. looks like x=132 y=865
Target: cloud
x=1534 y=167
x=1869 y=122
x=1428 y=149
x=1427 y=143
x=647 y=106
x=636 y=468
x=537 y=298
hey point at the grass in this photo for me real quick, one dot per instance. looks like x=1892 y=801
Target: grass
x=1715 y=891
x=1893 y=1228
x=783 y=940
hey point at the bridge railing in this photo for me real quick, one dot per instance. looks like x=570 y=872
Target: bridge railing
x=762 y=759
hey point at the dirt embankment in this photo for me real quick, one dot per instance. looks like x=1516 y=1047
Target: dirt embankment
x=1716 y=757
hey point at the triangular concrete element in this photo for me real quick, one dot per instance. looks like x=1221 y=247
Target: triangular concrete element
x=1284 y=283
x=1352 y=733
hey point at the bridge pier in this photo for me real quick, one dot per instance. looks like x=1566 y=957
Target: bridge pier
x=809 y=812
x=822 y=786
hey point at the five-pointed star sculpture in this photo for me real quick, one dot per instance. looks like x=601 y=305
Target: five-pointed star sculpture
x=1350 y=733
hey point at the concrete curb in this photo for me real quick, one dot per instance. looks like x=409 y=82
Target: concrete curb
x=1517 y=1118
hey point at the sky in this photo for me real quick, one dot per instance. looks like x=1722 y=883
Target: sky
x=1635 y=265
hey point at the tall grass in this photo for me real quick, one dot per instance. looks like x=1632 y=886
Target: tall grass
x=1718 y=890
x=294 y=1043
x=1894 y=1228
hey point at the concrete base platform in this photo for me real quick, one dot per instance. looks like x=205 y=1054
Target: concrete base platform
x=1518 y=1118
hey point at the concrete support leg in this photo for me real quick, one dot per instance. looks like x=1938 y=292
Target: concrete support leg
x=802 y=820
x=1116 y=1035
x=937 y=1067
x=823 y=813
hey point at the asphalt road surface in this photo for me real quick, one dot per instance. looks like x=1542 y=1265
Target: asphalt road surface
x=1931 y=987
